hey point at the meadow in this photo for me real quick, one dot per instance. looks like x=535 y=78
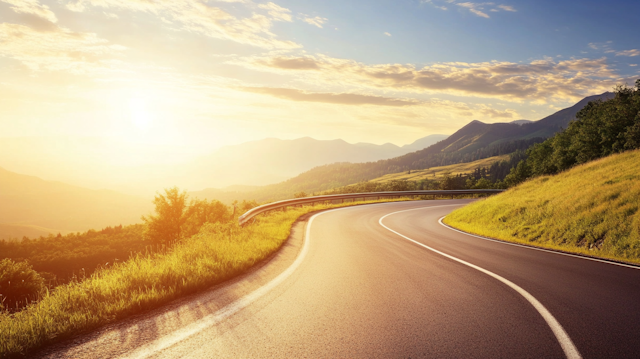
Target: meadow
x=438 y=173
x=591 y=209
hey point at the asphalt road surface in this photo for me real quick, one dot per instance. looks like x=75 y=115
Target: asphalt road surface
x=390 y=281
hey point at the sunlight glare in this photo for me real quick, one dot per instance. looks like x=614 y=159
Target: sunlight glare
x=140 y=116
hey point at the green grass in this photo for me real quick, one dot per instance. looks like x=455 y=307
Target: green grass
x=217 y=253
x=591 y=209
x=435 y=173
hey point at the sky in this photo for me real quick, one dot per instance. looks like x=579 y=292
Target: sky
x=156 y=81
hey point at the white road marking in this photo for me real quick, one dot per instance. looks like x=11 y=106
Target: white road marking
x=567 y=345
x=230 y=309
x=539 y=249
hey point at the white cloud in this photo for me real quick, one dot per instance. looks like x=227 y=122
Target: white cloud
x=315 y=21
x=507 y=8
x=277 y=12
x=630 y=53
x=388 y=34
x=199 y=17
x=475 y=8
x=57 y=50
x=540 y=80
x=32 y=7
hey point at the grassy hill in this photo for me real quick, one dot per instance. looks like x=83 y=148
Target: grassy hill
x=591 y=209
x=28 y=201
x=436 y=173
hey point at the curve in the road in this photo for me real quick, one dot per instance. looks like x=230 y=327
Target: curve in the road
x=565 y=341
x=232 y=308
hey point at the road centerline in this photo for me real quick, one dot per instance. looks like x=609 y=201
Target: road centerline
x=568 y=347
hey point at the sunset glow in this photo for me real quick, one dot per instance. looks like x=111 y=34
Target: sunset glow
x=191 y=76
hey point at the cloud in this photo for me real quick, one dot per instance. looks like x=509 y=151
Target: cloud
x=200 y=17
x=277 y=12
x=388 y=34
x=548 y=79
x=475 y=8
x=57 y=50
x=294 y=63
x=630 y=53
x=507 y=8
x=32 y=7
x=333 y=98
x=315 y=21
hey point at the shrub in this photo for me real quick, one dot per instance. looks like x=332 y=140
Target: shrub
x=19 y=284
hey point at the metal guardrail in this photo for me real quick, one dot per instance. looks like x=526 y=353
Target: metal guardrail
x=334 y=197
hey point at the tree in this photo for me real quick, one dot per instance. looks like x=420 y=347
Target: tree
x=19 y=283
x=201 y=212
x=165 y=227
x=518 y=174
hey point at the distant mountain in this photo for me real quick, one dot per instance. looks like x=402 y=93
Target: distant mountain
x=424 y=142
x=476 y=140
x=272 y=160
x=27 y=204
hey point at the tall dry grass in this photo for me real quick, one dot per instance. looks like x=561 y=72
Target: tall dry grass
x=218 y=252
x=591 y=209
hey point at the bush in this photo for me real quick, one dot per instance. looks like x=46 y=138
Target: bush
x=19 y=284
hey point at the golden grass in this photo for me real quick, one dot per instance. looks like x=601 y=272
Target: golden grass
x=591 y=209
x=435 y=173
x=218 y=252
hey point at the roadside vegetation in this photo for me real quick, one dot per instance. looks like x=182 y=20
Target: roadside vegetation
x=571 y=195
x=184 y=263
x=591 y=209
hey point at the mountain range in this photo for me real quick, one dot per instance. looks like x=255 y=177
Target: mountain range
x=273 y=160
x=476 y=140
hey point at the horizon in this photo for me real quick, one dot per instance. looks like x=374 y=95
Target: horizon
x=111 y=86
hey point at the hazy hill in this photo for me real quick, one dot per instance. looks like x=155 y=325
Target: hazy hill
x=272 y=160
x=144 y=169
x=28 y=203
x=475 y=141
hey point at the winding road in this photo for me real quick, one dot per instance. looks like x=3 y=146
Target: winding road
x=390 y=281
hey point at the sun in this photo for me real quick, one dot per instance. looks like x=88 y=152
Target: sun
x=140 y=115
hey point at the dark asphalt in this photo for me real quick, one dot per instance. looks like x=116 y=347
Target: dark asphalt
x=363 y=291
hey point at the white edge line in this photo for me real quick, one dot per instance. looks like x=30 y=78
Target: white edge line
x=228 y=310
x=538 y=248
x=570 y=350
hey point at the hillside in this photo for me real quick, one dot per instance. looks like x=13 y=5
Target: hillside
x=475 y=141
x=591 y=209
x=438 y=172
x=273 y=160
x=29 y=201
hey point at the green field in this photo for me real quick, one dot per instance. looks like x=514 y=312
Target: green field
x=436 y=173
x=591 y=209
